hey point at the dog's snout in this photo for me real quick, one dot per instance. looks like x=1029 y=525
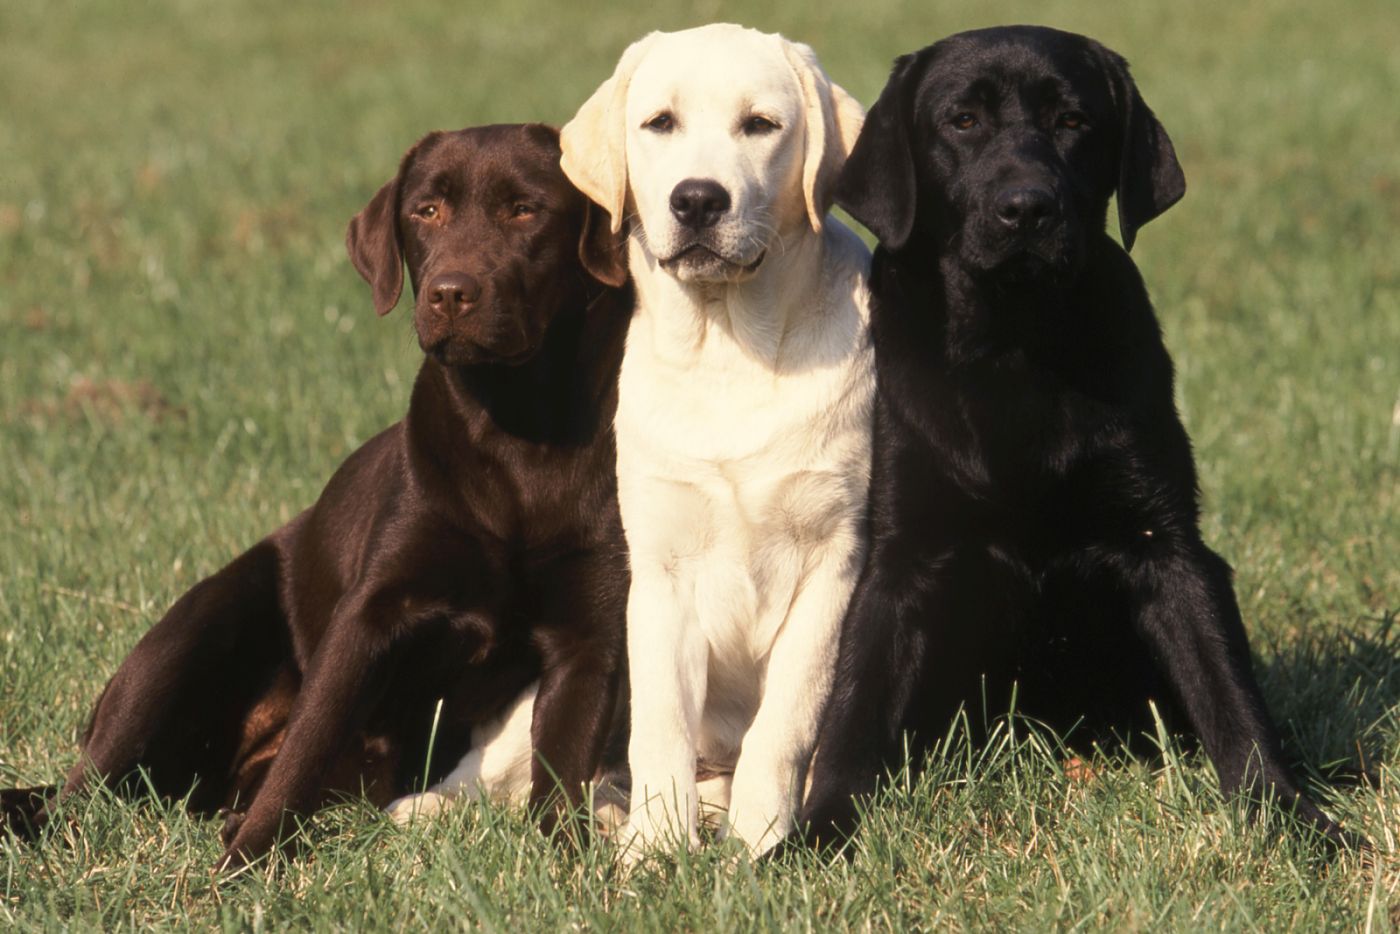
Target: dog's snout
x=453 y=292
x=1026 y=209
x=699 y=202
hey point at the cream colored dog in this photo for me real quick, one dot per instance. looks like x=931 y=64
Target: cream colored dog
x=744 y=419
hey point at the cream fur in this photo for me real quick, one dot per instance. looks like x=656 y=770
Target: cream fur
x=743 y=424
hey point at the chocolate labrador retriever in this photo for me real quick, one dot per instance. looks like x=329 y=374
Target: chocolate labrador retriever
x=1034 y=501
x=458 y=556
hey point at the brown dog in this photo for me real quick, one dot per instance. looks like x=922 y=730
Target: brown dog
x=458 y=556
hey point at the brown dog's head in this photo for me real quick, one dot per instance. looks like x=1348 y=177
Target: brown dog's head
x=495 y=238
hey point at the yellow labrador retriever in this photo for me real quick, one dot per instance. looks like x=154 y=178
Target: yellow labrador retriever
x=744 y=413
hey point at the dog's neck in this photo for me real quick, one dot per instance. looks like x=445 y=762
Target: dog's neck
x=964 y=317
x=756 y=315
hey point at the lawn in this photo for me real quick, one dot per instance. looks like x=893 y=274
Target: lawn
x=186 y=354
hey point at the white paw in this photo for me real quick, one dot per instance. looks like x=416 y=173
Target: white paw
x=411 y=807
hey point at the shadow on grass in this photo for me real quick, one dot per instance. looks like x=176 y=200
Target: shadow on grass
x=1335 y=694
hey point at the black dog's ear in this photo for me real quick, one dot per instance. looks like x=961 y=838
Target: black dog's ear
x=877 y=185
x=373 y=240
x=602 y=251
x=1150 y=179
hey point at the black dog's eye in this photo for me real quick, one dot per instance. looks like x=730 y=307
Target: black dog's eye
x=663 y=122
x=1072 y=120
x=521 y=209
x=965 y=121
x=758 y=125
x=428 y=212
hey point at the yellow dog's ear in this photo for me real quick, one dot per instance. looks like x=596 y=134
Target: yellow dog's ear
x=833 y=123
x=595 y=140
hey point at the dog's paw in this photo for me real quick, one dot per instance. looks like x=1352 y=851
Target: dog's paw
x=412 y=807
x=233 y=822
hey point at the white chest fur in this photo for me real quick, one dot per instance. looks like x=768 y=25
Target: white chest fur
x=743 y=468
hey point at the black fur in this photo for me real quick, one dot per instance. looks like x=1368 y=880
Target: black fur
x=1033 y=510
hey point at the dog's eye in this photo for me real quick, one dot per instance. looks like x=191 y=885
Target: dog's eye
x=757 y=125
x=965 y=121
x=427 y=211
x=1072 y=120
x=521 y=209
x=663 y=122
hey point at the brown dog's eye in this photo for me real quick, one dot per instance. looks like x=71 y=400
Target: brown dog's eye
x=428 y=212
x=521 y=209
x=663 y=122
x=1071 y=120
x=965 y=121
x=757 y=125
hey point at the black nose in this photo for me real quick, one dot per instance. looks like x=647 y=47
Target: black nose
x=453 y=292
x=699 y=202
x=1026 y=209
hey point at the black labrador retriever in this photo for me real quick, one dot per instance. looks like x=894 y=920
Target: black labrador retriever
x=458 y=556
x=1034 y=502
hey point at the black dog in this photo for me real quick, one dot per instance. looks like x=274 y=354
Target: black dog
x=460 y=555
x=1034 y=501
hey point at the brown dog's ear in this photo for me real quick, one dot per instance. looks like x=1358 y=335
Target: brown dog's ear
x=595 y=140
x=602 y=250
x=373 y=240
x=833 y=120
x=877 y=184
x=1150 y=179
x=373 y=244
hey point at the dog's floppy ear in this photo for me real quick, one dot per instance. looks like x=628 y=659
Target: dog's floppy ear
x=1150 y=179
x=373 y=240
x=602 y=250
x=833 y=120
x=877 y=185
x=595 y=140
x=373 y=244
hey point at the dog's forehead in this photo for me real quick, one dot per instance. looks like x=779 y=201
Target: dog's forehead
x=1012 y=60
x=482 y=160
x=713 y=69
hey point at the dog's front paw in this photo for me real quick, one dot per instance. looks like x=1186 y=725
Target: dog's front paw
x=233 y=822
x=412 y=807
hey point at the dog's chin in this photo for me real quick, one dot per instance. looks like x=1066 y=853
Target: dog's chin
x=455 y=350
x=1049 y=265
x=698 y=264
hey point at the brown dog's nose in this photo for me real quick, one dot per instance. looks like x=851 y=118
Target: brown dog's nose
x=698 y=202
x=1026 y=209
x=453 y=292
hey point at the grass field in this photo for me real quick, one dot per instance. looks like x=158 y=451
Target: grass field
x=186 y=354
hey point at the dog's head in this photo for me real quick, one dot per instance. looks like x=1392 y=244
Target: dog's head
x=717 y=142
x=495 y=238
x=1004 y=145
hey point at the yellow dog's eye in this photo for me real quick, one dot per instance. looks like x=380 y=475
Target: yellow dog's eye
x=663 y=122
x=1071 y=120
x=965 y=121
x=758 y=125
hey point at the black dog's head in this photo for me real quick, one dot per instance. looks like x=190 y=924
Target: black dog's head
x=1004 y=145
x=495 y=238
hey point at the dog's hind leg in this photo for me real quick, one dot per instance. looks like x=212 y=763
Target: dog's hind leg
x=176 y=705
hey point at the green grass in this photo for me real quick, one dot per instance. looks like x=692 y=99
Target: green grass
x=186 y=354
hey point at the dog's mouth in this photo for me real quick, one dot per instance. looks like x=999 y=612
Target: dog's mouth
x=700 y=261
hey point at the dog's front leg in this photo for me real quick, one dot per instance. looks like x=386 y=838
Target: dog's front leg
x=777 y=748
x=668 y=660
x=1184 y=608
x=326 y=711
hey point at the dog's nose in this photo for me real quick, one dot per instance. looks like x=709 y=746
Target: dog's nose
x=453 y=292
x=699 y=202
x=1026 y=209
